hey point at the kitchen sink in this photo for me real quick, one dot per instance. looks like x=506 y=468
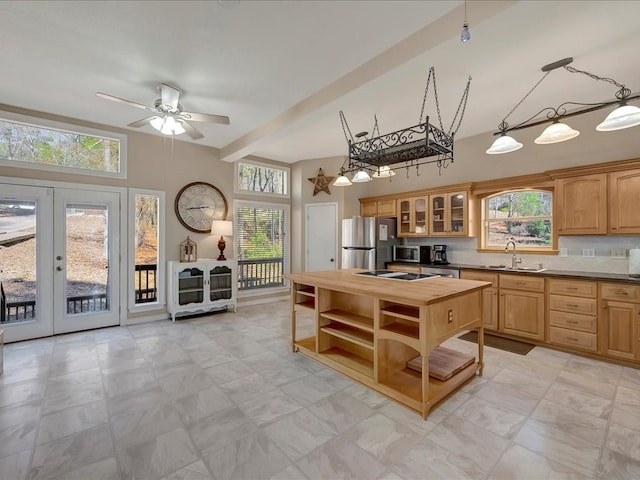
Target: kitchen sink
x=517 y=269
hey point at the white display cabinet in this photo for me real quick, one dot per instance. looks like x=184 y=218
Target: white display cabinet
x=203 y=286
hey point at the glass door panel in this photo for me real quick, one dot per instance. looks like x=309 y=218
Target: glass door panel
x=25 y=226
x=86 y=259
x=420 y=215
x=457 y=212
x=190 y=286
x=437 y=214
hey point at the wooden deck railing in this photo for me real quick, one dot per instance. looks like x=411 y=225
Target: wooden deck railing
x=260 y=273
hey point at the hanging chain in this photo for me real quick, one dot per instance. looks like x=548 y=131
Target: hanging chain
x=432 y=73
x=504 y=120
x=375 y=132
x=345 y=128
x=463 y=105
x=595 y=77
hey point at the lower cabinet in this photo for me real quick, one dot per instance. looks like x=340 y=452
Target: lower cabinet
x=573 y=313
x=202 y=286
x=522 y=306
x=620 y=317
x=489 y=297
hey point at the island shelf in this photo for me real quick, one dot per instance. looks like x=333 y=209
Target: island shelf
x=370 y=329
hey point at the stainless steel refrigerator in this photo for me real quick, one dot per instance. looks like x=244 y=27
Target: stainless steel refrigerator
x=367 y=242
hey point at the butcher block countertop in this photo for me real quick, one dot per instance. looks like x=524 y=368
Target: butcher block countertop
x=417 y=292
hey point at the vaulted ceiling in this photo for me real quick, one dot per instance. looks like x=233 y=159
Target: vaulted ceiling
x=282 y=70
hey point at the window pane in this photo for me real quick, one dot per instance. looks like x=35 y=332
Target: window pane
x=261 y=246
x=147 y=210
x=525 y=215
x=256 y=178
x=49 y=146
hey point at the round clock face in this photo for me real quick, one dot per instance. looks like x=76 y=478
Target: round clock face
x=197 y=204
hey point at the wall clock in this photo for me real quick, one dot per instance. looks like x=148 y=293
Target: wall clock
x=197 y=204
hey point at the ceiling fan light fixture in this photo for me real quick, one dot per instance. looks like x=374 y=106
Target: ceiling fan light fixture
x=504 y=144
x=555 y=133
x=157 y=123
x=625 y=116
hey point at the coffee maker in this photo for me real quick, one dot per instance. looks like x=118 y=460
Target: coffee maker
x=439 y=255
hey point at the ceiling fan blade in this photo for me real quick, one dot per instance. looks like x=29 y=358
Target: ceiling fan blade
x=205 y=117
x=170 y=95
x=191 y=131
x=141 y=123
x=106 y=96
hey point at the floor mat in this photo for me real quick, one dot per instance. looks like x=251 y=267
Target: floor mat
x=514 y=346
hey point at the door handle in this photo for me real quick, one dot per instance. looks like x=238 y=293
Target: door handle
x=59 y=269
x=332 y=260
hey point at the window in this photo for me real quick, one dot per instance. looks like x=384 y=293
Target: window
x=525 y=215
x=257 y=178
x=46 y=145
x=147 y=226
x=261 y=238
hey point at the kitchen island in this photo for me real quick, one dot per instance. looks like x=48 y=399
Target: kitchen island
x=370 y=327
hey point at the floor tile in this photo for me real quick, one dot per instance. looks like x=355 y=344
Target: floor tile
x=269 y=407
x=72 y=420
x=16 y=466
x=518 y=463
x=616 y=466
x=195 y=471
x=340 y=410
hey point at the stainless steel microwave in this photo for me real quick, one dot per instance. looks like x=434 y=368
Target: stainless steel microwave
x=412 y=253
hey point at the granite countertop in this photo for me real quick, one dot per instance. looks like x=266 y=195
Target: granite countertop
x=616 y=277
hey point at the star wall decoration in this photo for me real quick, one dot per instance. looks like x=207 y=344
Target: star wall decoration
x=321 y=182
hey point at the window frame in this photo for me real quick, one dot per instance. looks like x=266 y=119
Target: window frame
x=44 y=123
x=286 y=261
x=255 y=163
x=552 y=249
x=160 y=302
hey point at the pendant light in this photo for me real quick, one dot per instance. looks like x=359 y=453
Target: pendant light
x=342 y=181
x=555 y=133
x=361 y=176
x=383 y=172
x=624 y=116
x=465 y=36
x=504 y=144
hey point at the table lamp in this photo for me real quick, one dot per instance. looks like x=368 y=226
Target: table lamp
x=222 y=228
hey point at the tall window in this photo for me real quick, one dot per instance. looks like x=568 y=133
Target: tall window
x=147 y=219
x=257 y=178
x=525 y=215
x=43 y=144
x=262 y=246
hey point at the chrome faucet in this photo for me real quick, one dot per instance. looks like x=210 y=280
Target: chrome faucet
x=514 y=258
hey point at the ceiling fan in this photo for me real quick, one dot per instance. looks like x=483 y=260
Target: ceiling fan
x=169 y=118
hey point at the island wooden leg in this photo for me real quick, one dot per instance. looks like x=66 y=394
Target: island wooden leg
x=293 y=316
x=425 y=385
x=480 y=349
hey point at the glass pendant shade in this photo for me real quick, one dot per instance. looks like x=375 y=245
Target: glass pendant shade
x=504 y=144
x=622 y=117
x=555 y=133
x=157 y=123
x=167 y=125
x=383 y=172
x=465 y=36
x=361 y=177
x=342 y=181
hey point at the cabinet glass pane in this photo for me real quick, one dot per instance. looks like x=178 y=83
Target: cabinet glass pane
x=437 y=214
x=220 y=283
x=190 y=286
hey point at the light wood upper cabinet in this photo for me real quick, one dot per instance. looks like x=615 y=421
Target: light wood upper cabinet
x=624 y=202
x=581 y=205
x=448 y=213
x=412 y=217
x=378 y=208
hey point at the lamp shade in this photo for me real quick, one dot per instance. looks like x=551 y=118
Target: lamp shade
x=622 y=117
x=361 y=177
x=504 y=144
x=167 y=125
x=555 y=133
x=222 y=227
x=383 y=172
x=342 y=181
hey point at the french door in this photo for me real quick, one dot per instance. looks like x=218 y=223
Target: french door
x=59 y=260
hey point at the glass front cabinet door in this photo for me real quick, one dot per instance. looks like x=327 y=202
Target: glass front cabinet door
x=448 y=214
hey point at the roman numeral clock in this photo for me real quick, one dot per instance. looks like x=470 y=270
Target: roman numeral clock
x=198 y=204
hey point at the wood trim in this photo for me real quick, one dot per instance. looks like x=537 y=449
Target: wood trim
x=596 y=168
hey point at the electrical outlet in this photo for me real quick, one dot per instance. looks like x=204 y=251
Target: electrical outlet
x=564 y=252
x=588 y=252
x=618 y=253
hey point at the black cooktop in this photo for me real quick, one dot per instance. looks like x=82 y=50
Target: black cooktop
x=406 y=276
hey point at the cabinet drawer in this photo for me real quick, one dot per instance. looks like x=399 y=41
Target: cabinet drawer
x=619 y=291
x=586 y=306
x=481 y=276
x=522 y=282
x=574 y=288
x=571 y=338
x=573 y=321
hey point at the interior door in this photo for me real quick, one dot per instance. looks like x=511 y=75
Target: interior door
x=321 y=234
x=59 y=261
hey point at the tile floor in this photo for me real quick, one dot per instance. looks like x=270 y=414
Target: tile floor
x=222 y=397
